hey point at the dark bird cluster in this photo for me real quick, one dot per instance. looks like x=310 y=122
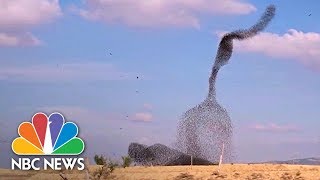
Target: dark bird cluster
x=204 y=128
x=159 y=154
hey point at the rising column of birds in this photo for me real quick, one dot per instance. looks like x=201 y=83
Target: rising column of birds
x=203 y=129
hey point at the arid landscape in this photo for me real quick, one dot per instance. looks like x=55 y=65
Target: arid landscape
x=227 y=171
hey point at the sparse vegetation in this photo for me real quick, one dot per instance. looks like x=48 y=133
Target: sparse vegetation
x=215 y=173
x=286 y=176
x=107 y=166
x=112 y=165
x=255 y=176
x=314 y=169
x=236 y=175
x=100 y=160
x=298 y=173
x=103 y=172
x=298 y=176
x=222 y=176
x=126 y=161
x=63 y=176
x=111 y=171
x=184 y=176
x=218 y=175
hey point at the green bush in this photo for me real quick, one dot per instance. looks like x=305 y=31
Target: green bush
x=112 y=165
x=106 y=169
x=126 y=161
x=100 y=160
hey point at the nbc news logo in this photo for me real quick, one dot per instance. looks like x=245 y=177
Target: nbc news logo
x=46 y=136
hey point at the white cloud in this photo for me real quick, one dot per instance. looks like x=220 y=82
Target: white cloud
x=157 y=13
x=22 y=13
x=300 y=46
x=272 y=127
x=64 y=73
x=143 y=116
x=17 y=16
x=25 y=39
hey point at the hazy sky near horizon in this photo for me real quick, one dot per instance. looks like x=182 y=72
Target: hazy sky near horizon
x=82 y=58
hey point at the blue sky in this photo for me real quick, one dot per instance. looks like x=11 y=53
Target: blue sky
x=55 y=57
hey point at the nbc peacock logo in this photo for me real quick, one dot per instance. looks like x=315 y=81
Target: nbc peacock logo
x=48 y=136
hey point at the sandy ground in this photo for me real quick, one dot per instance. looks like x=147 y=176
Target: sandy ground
x=227 y=171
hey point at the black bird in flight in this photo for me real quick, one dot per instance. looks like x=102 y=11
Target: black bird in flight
x=310 y=14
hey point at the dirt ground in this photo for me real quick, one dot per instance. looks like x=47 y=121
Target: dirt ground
x=227 y=171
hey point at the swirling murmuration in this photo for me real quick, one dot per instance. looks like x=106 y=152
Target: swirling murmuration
x=203 y=129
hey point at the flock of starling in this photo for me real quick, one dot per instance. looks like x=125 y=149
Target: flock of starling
x=204 y=129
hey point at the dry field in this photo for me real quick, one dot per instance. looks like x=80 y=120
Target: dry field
x=228 y=171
